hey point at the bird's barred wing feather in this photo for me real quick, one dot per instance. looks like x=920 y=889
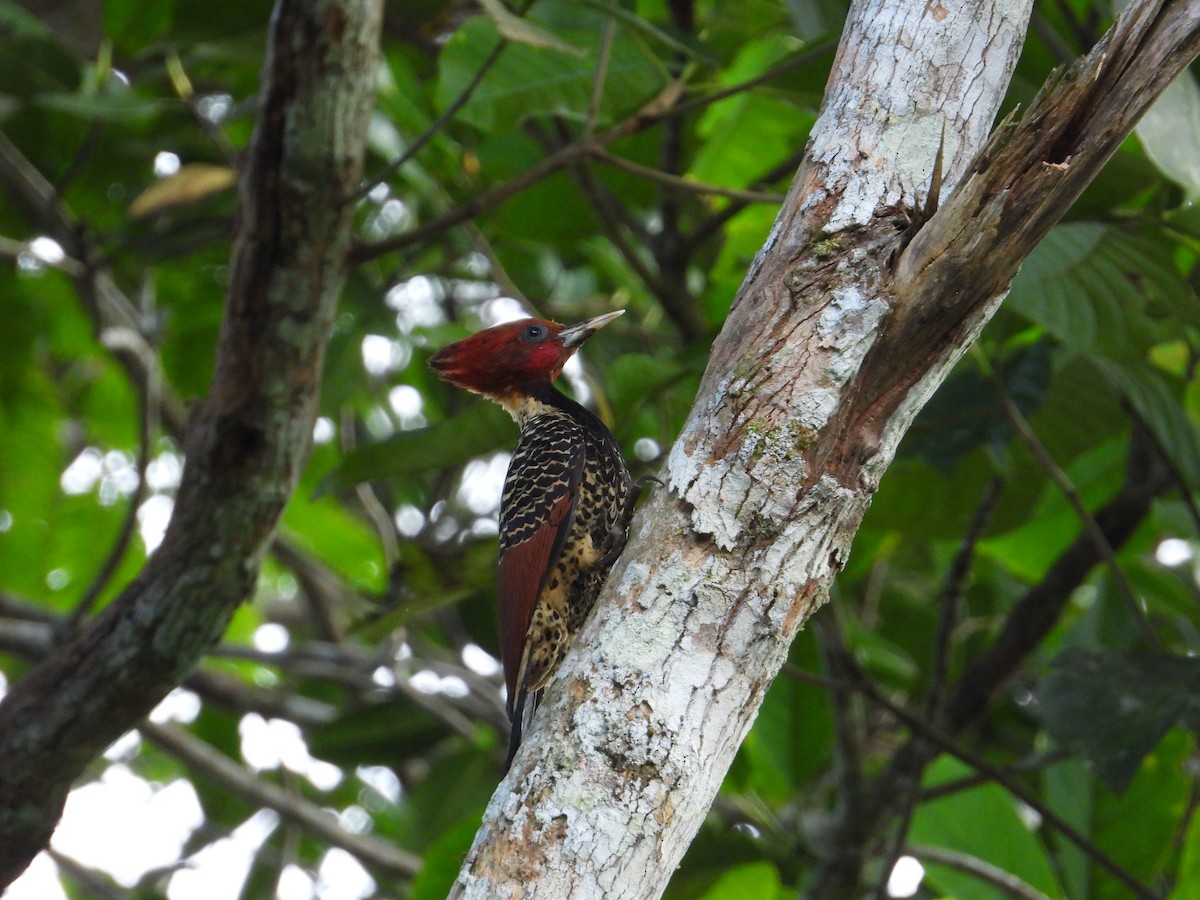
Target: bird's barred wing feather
x=540 y=493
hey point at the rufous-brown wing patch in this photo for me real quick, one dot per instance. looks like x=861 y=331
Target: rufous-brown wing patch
x=523 y=571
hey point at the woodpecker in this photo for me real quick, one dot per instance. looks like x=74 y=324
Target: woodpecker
x=567 y=500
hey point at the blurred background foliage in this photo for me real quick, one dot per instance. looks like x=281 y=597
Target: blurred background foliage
x=564 y=158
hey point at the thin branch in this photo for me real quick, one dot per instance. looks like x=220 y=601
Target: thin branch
x=14 y=607
x=609 y=213
x=496 y=271
x=1039 y=611
x=685 y=184
x=953 y=589
x=19 y=250
x=1025 y=628
x=847 y=712
x=210 y=763
x=228 y=692
x=944 y=742
x=981 y=869
x=1032 y=763
x=30 y=632
x=355 y=670
x=473 y=207
x=714 y=223
x=289 y=849
x=186 y=92
x=1060 y=478
x=372 y=506
x=148 y=395
x=24 y=632
x=435 y=126
x=602 y=60
x=648 y=116
x=321 y=589
x=799 y=61
x=671 y=252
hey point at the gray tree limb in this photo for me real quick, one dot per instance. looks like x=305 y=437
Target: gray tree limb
x=248 y=443
x=836 y=339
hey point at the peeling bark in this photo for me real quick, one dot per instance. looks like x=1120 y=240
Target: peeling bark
x=837 y=338
x=248 y=443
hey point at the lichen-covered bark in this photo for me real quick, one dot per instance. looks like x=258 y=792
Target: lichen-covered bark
x=248 y=442
x=826 y=357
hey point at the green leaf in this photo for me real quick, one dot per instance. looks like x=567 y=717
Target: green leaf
x=332 y=534
x=982 y=822
x=1170 y=132
x=1046 y=529
x=1114 y=710
x=1139 y=828
x=750 y=880
x=1070 y=791
x=443 y=860
x=531 y=81
x=456 y=789
x=965 y=412
x=747 y=134
x=1155 y=397
x=131 y=24
x=33 y=60
x=1100 y=289
x=478 y=430
x=391 y=732
x=1188 y=875
x=118 y=108
x=790 y=740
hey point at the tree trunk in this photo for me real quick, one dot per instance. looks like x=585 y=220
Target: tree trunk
x=839 y=334
x=247 y=445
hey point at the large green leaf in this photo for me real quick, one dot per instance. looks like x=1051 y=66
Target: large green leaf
x=456 y=787
x=530 y=81
x=131 y=24
x=790 y=740
x=1188 y=875
x=33 y=60
x=478 y=430
x=748 y=134
x=1070 y=791
x=1139 y=828
x=1102 y=289
x=983 y=822
x=1155 y=398
x=443 y=860
x=965 y=413
x=757 y=880
x=1170 y=132
x=1114 y=710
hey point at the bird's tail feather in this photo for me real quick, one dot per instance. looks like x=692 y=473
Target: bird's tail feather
x=522 y=718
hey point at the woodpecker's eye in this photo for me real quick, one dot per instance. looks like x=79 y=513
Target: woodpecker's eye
x=534 y=333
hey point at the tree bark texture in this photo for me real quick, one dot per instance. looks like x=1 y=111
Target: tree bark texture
x=838 y=336
x=248 y=442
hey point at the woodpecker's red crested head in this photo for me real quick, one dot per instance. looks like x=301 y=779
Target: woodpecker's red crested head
x=502 y=360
